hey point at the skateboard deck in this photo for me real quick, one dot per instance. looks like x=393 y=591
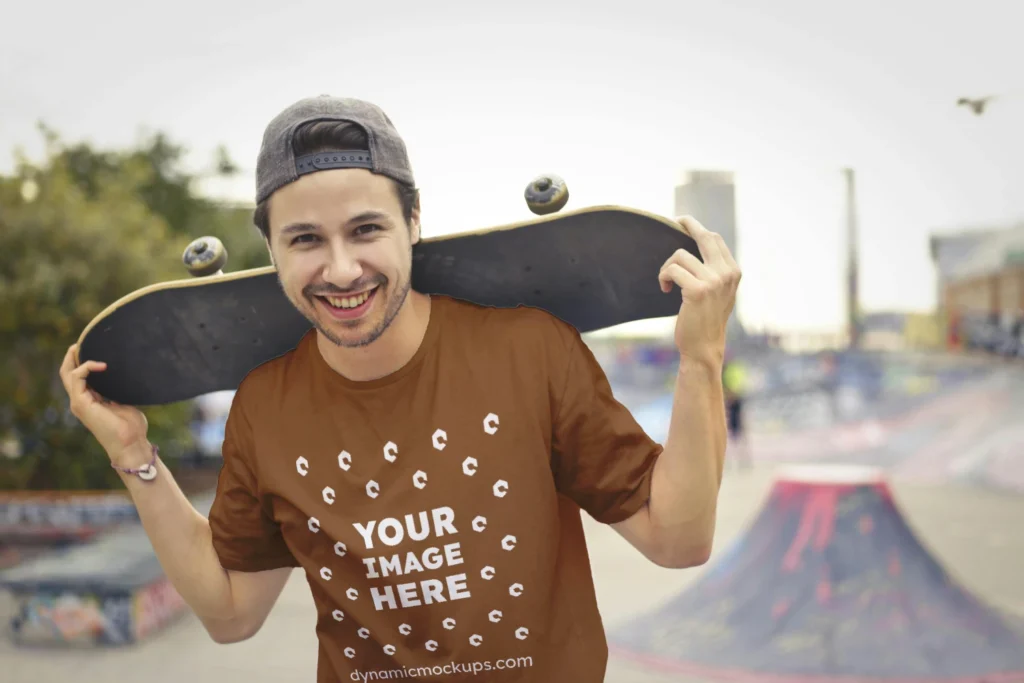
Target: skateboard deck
x=593 y=267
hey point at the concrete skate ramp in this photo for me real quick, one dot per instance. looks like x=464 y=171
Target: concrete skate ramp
x=965 y=426
x=109 y=592
x=29 y=517
x=829 y=583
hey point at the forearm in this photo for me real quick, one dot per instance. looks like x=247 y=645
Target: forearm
x=182 y=541
x=688 y=475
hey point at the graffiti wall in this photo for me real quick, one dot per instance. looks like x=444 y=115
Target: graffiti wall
x=155 y=606
x=110 y=591
x=79 y=618
x=74 y=618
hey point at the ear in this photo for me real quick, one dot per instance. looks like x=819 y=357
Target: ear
x=414 y=223
x=270 y=252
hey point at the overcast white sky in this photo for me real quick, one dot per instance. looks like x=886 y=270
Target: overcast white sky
x=618 y=98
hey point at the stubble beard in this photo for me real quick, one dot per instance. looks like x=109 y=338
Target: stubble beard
x=394 y=305
x=396 y=298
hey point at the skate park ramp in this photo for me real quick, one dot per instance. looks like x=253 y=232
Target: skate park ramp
x=110 y=591
x=828 y=583
x=828 y=580
x=921 y=419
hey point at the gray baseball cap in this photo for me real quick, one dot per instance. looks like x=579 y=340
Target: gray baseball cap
x=277 y=164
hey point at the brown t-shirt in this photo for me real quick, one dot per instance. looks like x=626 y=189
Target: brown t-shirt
x=436 y=511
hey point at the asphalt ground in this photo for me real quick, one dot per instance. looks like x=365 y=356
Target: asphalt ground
x=975 y=532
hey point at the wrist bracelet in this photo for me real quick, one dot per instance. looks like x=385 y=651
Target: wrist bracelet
x=147 y=472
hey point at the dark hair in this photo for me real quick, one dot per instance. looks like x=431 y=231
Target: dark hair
x=321 y=136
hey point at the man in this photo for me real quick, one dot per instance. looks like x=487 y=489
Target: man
x=734 y=384
x=424 y=460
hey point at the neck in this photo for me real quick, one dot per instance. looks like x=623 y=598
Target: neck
x=388 y=353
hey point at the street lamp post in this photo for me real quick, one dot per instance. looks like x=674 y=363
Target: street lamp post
x=852 y=266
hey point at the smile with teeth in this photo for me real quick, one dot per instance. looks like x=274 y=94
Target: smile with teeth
x=349 y=301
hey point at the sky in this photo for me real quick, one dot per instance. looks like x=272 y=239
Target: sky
x=618 y=98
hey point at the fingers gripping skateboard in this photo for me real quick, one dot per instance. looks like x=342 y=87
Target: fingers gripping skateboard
x=546 y=194
x=205 y=256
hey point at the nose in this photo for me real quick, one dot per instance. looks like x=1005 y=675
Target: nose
x=342 y=268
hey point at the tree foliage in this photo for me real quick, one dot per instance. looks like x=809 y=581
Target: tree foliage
x=79 y=230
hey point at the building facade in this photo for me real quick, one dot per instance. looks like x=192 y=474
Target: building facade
x=980 y=280
x=710 y=197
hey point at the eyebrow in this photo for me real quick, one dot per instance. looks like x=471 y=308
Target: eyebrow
x=298 y=227
x=359 y=218
x=370 y=215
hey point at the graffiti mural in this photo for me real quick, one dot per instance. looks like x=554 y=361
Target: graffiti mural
x=116 y=618
x=110 y=591
x=74 y=618
x=155 y=606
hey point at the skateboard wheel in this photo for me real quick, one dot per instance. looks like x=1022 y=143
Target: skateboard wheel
x=546 y=194
x=205 y=256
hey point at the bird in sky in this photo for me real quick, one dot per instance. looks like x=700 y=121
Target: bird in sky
x=977 y=105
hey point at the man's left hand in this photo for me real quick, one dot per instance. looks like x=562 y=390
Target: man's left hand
x=708 y=290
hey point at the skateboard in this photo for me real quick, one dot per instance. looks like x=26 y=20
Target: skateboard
x=593 y=268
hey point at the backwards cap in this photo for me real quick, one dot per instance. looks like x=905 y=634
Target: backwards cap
x=277 y=164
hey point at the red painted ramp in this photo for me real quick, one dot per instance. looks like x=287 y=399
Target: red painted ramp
x=828 y=584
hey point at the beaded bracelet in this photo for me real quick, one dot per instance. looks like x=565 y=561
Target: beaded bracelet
x=147 y=472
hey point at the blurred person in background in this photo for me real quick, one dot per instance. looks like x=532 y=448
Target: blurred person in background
x=734 y=383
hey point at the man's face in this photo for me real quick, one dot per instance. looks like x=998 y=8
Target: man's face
x=343 y=252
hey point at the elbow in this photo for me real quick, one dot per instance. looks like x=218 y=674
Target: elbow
x=228 y=638
x=686 y=547
x=230 y=632
x=696 y=557
x=684 y=556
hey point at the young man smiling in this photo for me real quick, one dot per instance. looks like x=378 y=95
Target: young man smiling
x=424 y=460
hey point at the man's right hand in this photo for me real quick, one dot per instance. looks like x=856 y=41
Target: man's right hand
x=231 y=605
x=120 y=429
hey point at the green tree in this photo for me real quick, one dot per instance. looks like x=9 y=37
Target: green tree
x=79 y=230
x=169 y=191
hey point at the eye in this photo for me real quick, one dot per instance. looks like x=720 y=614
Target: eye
x=368 y=228
x=305 y=238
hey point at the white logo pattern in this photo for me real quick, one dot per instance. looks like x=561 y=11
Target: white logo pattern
x=470 y=467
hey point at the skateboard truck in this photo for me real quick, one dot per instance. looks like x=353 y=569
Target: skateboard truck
x=205 y=256
x=546 y=194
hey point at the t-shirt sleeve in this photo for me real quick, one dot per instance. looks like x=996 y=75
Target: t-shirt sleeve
x=603 y=459
x=245 y=536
